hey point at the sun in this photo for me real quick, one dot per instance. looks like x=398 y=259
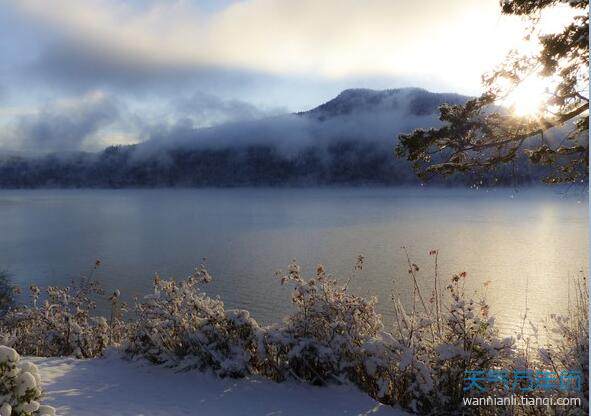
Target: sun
x=528 y=98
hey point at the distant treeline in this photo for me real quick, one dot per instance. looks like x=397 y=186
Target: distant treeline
x=340 y=163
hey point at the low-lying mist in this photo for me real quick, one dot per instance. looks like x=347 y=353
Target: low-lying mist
x=348 y=140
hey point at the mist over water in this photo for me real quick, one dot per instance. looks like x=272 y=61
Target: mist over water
x=528 y=244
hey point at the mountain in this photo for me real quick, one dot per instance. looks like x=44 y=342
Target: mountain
x=414 y=101
x=348 y=140
x=354 y=115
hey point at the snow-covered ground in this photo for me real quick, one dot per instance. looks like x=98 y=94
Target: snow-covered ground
x=116 y=387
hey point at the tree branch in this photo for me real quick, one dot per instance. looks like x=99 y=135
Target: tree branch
x=546 y=125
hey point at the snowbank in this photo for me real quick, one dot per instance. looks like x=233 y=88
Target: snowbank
x=113 y=386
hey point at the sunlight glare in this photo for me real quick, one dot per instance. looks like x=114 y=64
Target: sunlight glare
x=528 y=97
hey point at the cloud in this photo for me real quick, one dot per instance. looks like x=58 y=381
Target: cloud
x=248 y=60
x=207 y=110
x=75 y=66
x=97 y=119
x=104 y=39
x=66 y=125
x=285 y=131
x=370 y=118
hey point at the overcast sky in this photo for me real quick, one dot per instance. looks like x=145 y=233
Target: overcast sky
x=82 y=74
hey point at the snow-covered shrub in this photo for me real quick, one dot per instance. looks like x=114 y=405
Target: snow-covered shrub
x=567 y=352
x=180 y=326
x=20 y=386
x=329 y=338
x=59 y=322
x=438 y=341
x=332 y=336
x=335 y=336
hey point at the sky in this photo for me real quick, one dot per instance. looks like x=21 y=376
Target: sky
x=84 y=74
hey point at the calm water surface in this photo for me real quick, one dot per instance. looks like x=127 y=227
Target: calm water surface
x=530 y=242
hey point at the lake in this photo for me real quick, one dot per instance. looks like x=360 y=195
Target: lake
x=529 y=243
